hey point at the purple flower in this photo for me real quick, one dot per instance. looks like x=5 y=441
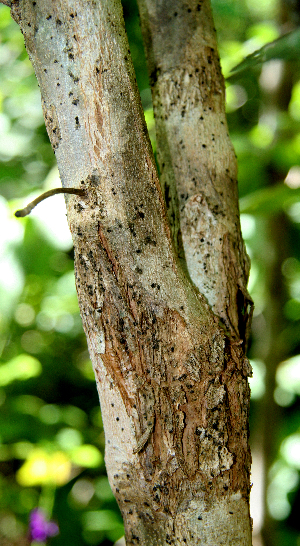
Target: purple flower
x=40 y=528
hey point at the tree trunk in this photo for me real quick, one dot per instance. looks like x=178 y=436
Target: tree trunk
x=166 y=336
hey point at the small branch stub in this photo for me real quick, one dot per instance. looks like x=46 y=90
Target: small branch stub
x=27 y=210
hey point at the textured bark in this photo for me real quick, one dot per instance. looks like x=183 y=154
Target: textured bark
x=172 y=381
x=196 y=158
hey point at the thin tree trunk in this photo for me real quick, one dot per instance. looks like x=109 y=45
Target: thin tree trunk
x=172 y=380
x=196 y=158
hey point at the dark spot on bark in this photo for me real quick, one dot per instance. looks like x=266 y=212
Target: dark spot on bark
x=230 y=512
x=45 y=70
x=131 y=229
x=141 y=214
x=75 y=102
x=203 y=145
x=29 y=24
x=58 y=85
x=55 y=61
x=167 y=195
x=58 y=22
x=201 y=118
x=94 y=179
x=70 y=95
x=175 y=14
x=49 y=17
x=154 y=75
x=74 y=78
x=77 y=123
x=72 y=15
x=138 y=251
x=139 y=270
x=189 y=10
x=71 y=56
x=117 y=418
x=149 y=241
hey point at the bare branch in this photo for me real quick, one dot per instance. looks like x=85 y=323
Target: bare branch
x=27 y=210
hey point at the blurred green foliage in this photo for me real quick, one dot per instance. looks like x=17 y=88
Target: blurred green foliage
x=51 y=434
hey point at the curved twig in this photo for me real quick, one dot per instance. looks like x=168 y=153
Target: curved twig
x=49 y=193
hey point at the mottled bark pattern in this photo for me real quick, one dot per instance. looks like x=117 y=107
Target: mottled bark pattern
x=196 y=159
x=158 y=369
x=173 y=387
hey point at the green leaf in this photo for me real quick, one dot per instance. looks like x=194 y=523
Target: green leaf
x=286 y=47
x=21 y=367
x=269 y=200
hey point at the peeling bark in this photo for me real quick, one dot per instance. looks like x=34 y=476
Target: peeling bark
x=171 y=380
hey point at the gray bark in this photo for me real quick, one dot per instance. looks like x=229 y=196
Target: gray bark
x=172 y=380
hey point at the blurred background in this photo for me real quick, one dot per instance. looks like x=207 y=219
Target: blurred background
x=51 y=434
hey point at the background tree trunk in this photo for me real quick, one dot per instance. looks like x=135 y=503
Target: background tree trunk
x=169 y=363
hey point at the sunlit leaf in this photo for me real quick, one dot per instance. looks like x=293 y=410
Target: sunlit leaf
x=21 y=368
x=288 y=375
x=286 y=47
x=42 y=468
x=87 y=455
